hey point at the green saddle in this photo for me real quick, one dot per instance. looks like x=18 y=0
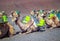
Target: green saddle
x=4 y=19
x=26 y=19
x=41 y=22
x=51 y=15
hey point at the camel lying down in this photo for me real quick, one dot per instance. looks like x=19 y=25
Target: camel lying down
x=53 y=22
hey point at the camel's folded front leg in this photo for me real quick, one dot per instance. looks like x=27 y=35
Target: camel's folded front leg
x=11 y=29
x=21 y=25
x=31 y=28
x=52 y=24
x=56 y=21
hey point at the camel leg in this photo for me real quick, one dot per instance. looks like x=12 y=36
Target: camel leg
x=52 y=24
x=21 y=25
x=30 y=29
x=11 y=29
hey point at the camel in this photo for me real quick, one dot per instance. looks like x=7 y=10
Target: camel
x=25 y=28
x=5 y=26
